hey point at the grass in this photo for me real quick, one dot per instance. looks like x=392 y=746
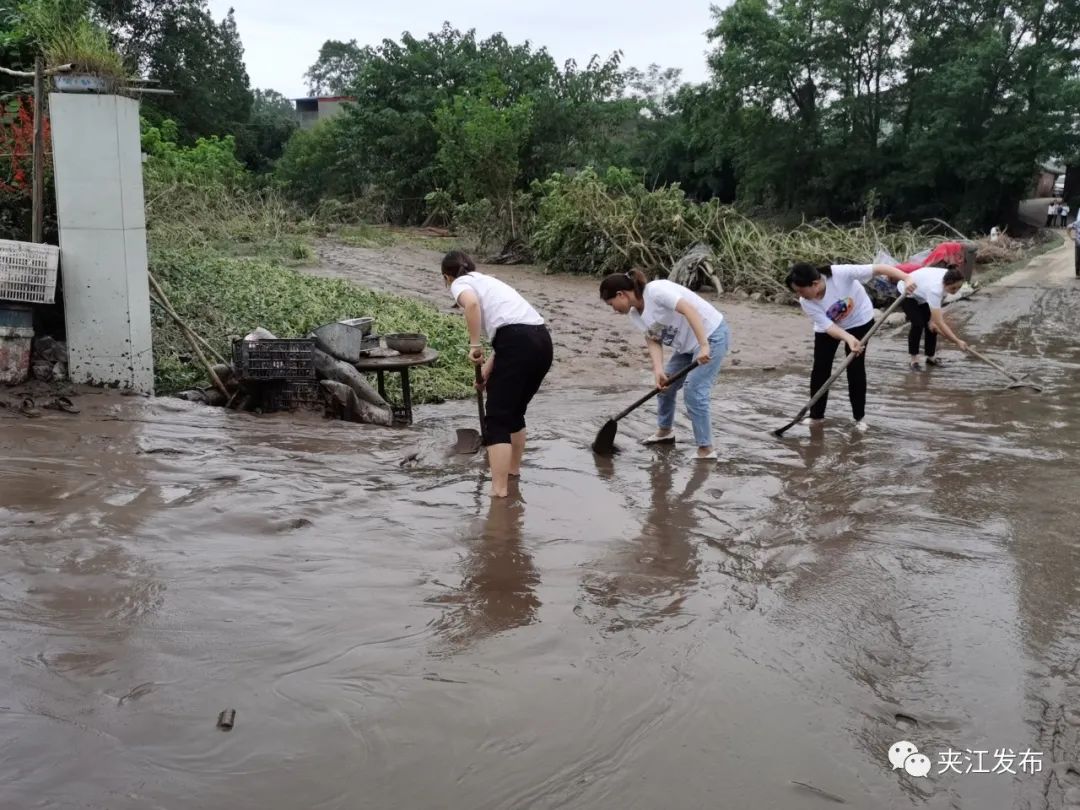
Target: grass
x=380 y=236
x=226 y=260
x=220 y=296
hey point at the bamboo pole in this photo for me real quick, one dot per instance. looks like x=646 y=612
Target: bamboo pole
x=38 y=188
x=192 y=338
x=163 y=302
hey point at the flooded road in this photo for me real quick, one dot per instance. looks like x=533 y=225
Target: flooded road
x=638 y=632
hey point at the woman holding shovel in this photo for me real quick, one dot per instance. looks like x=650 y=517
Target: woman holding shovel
x=674 y=316
x=522 y=355
x=928 y=285
x=834 y=298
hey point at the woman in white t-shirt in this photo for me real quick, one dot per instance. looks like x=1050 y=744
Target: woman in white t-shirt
x=834 y=298
x=672 y=315
x=929 y=285
x=522 y=355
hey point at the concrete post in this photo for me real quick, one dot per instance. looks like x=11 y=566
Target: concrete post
x=97 y=165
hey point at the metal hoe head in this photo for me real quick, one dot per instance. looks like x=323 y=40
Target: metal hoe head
x=605 y=439
x=1022 y=384
x=468 y=441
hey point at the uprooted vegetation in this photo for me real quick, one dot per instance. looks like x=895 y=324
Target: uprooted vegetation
x=222 y=249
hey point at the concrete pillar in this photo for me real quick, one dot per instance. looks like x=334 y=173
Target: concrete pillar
x=97 y=165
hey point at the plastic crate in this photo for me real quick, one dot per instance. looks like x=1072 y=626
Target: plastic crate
x=281 y=359
x=290 y=395
x=28 y=272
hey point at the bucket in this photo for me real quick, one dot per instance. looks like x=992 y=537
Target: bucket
x=15 y=342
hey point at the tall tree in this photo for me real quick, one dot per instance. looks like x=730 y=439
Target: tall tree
x=179 y=44
x=273 y=122
x=337 y=67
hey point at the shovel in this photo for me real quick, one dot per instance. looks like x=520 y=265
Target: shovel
x=605 y=439
x=843 y=366
x=1017 y=382
x=469 y=440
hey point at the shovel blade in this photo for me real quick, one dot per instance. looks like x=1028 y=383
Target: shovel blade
x=605 y=439
x=468 y=441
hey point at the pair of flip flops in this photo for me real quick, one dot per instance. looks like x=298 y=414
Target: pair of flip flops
x=30 y=409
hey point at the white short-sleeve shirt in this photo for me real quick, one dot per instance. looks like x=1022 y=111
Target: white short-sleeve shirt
x=662 y=323
x=845 y=302
x=929 y=285
x=500 y=304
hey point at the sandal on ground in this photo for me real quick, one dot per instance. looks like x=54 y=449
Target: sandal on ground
x=915 y=365
x=656 y=438
x=934 y=361
x=710 y=456
x=62 y=404
x=28 y=408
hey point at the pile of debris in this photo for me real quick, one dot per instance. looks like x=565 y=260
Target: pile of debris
x=49 y=362
x=270 y=374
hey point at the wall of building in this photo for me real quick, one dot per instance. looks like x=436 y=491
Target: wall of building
x=97 y=161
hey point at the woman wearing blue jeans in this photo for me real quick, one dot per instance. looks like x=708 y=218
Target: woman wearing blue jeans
x=672 y=315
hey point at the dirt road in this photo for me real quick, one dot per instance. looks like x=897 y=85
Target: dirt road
x=624 y=634
x=593 y=345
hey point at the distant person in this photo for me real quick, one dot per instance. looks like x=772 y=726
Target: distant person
x=1075 y=230
x=834 y=298
x=677 y=317
x=1064 y=212
x=923 y=310
x=521 y=358
x=1051 y=213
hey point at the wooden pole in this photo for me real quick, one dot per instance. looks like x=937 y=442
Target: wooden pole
x=38 y=188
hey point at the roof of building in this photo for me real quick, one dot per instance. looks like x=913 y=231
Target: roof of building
x=326 y=98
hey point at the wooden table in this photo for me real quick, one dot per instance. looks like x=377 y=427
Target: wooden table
x=380 y=363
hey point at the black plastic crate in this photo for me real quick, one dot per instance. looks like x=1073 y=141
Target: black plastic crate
x=280 y=359
x=291 y=395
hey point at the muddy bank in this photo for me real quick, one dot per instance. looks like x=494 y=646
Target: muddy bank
x=592 y=343
x=638 y=632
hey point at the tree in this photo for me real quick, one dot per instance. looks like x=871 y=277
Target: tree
x=942 y=108
x=273 y=122
x=336 y=69
x=480 y=143
x=178 y=44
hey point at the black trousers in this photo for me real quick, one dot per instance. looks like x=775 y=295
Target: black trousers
x=824 y=353
x=523 y=356
x=1076 y=264
x=919 y=317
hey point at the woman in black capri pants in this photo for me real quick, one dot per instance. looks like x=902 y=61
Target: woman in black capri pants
x=521 y=357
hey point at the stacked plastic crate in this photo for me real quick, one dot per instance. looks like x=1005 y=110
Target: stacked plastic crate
x=282 y=370
x=27 y=277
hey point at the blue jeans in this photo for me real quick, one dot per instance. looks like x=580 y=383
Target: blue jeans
x=697 y=386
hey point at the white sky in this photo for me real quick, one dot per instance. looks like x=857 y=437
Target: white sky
x=281 y=40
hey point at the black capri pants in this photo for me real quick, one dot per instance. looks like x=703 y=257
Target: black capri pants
x=523 y=355
x=919 y=316
x=824 y=352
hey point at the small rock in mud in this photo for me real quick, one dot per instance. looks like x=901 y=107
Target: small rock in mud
x=227 y=719
x=906 y=722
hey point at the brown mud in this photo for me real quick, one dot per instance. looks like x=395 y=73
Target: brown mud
x=635 y=632
x=594 y=345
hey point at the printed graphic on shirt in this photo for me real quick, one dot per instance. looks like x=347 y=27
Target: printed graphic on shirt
x=664 y=335
x=840 y=310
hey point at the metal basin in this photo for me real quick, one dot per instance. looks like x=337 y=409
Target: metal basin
x=344 y=341
x=406 y=342
x=363 y=324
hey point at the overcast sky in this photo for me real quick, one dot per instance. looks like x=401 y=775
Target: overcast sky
x=281 y=40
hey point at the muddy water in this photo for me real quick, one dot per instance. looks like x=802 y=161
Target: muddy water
x=629 y=633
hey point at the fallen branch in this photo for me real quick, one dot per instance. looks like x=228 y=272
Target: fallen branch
x=162 y=301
